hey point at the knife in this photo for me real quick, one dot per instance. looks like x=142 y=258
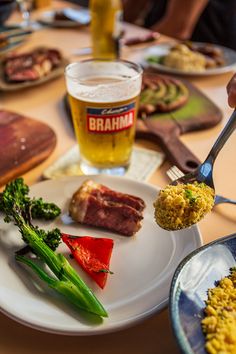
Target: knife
x=12 y=38
x=127 y=42
x=13 y=33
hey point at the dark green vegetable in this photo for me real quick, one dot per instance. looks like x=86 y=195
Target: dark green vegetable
x=189 y=194
x=156 y=59
x=39 y=209
x=52 y=238
x=17 y=206
x=42 y=210
x=105 y=271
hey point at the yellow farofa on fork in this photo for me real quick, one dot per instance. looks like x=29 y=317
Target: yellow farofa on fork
x=182 y=205
x=219 y=325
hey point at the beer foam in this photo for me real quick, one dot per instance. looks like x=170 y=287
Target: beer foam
x=103 y=84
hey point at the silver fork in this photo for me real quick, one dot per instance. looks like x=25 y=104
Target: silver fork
x=174 y=173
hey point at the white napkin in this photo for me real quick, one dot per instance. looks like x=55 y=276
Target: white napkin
x=143 y=164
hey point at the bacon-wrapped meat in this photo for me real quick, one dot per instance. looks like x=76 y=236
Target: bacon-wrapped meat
x=97 y=205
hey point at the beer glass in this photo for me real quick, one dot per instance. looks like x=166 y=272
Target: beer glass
x=103 y=99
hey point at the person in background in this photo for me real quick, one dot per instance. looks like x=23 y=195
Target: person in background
x=231 y=90
x=84 y=3
x=212 y=21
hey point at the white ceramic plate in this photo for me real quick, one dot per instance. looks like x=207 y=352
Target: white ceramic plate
x=80 y=18
x=143 y=267
x=163 y=49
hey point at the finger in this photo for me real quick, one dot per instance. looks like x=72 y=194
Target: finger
x=232 y=97
x=231 y=90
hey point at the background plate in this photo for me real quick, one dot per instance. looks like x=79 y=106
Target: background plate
x=163 y=49
x=14 y=86
x=143 y=267
x=47 y=18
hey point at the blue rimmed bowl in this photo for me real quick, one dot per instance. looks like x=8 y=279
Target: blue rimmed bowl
x=198 y=272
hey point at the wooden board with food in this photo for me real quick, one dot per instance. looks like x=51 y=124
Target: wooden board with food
x=172 y=107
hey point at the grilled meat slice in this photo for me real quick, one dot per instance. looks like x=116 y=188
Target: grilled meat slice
x=96 y=205
x=31 y=66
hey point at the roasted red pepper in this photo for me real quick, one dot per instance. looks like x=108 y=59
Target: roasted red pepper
x=93 y=255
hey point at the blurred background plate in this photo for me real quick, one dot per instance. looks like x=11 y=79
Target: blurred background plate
x=163 y=49
x=67 y=17
x=198 y=272
x=14 y=86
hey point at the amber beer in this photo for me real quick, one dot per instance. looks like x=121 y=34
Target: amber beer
x=104 y=109
x=106 y=28
x=42 y=3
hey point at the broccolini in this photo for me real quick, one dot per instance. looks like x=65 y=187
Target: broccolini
x=16 y=207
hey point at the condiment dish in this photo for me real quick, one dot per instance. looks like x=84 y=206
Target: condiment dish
x=198 y=272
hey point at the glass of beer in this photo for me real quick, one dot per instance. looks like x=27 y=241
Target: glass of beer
x=103 y=98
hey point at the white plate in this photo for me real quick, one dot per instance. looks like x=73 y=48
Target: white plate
x=81 y=16
x=143 y=266
x=163 y=49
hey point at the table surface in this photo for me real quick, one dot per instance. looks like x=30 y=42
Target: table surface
x=45 y=103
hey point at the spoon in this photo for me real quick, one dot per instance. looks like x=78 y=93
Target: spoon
x=204 y=171
x=203 y=174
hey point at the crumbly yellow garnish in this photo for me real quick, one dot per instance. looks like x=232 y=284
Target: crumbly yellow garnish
x=183 y=205
x=219 y=325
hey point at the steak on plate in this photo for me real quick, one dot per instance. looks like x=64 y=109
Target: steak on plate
x=97 y=205
x=32 y=65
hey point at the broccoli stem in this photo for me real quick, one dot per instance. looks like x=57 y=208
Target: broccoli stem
x=66 y=288
x=68 y=283
x=72 y=285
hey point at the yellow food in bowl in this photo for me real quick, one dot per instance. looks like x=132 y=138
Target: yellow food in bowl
x=183 y=58
x=219 y=325
x=183 y=205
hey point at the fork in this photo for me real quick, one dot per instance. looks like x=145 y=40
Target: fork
x=174 y=173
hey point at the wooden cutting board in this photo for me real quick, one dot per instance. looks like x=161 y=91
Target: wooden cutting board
x=24 y=143
x=165 y=128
